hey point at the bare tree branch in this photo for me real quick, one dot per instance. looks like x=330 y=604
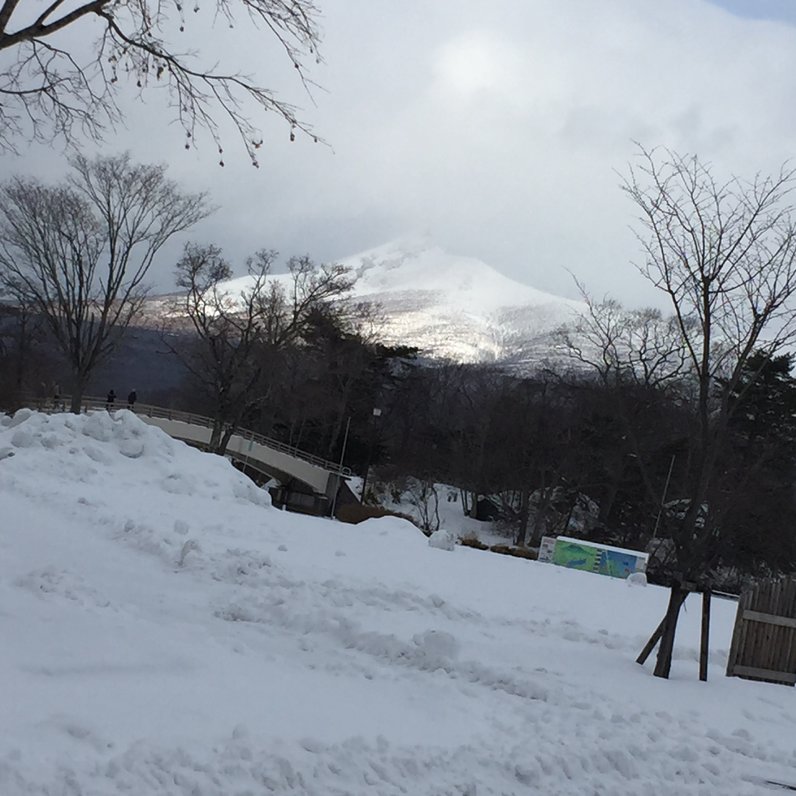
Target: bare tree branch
x=625 y=346
x=49 y=91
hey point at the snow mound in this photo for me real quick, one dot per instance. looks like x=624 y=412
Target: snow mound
x=162 y=633
x=437 y=643
x=442 y=540
x=103 y=445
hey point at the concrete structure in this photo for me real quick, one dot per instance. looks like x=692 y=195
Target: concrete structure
x=307 y=483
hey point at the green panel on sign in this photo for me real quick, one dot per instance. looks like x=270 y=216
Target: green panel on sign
x=575 y=556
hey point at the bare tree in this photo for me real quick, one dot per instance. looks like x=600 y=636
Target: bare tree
x=288 y=305
x=79 y=252
x=50 y=87
x=639 y=357
x=625 y=346
x=424 y=497
x=724 y=252
x=227 y=362
x=240 y=330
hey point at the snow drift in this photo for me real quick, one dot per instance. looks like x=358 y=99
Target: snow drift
x=166 y=631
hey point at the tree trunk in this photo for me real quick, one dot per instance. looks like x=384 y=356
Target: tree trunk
x=23 y=346
x=342 y=411
x=79 y=381
x=215 y=437
x=436 y=508
x=229 y=430
x=472 y=511
x=607 y=503
x=522 y=530
x=663 y=664
x=540 y=516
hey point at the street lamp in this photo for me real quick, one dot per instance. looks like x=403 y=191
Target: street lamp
x=376 y=413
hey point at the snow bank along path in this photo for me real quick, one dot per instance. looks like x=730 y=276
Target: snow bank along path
x=166 y=631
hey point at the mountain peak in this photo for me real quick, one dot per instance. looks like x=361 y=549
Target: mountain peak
x=418 y=264
x=453 y=306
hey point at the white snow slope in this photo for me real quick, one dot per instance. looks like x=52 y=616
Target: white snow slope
x=166 y=631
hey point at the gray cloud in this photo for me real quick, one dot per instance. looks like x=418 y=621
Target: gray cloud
x=496 y=129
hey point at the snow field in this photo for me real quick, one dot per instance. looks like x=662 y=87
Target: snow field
x=165 y=630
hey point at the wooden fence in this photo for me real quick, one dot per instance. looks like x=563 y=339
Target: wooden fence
x=764 y=640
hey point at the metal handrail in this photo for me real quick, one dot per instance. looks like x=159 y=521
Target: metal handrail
x=150 y=410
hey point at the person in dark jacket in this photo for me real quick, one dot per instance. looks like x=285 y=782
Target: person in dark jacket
x=131 y=399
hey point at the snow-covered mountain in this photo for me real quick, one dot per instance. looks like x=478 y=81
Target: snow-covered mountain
x=456 y=307
x=448 y=306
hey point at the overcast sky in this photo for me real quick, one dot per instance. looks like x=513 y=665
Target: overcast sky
x=496 y=129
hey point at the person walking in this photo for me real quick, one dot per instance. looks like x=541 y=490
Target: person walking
x=131 y=399
x=110 y=400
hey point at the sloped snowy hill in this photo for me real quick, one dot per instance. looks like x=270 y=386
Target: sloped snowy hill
x=166 y=631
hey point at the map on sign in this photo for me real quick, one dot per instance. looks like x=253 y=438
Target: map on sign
x=576 y=556
x=616 y=563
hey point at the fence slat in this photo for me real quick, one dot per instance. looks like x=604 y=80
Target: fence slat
x=766 y=674
x=764 y=638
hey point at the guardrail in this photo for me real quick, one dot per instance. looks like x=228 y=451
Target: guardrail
x=150 y=410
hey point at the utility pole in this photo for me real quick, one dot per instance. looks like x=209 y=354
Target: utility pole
x=376 y=413
x=340 y=473
x=663 y=496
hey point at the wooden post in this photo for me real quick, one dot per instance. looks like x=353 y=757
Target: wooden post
x=663 y=662
x=650 y=645
x=704 y=645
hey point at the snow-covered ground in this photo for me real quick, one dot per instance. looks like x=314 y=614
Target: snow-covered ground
x=404 y=499
x=164 y=630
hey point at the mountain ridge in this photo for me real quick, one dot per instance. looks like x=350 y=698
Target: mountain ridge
x=448 y=306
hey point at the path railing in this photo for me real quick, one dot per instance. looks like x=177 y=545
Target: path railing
x=90 y=403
